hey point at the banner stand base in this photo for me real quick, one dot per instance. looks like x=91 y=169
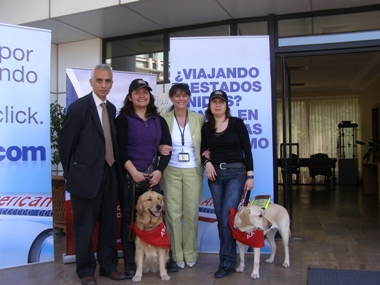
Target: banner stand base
x=71 y=258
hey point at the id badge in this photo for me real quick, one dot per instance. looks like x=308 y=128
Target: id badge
x=183 y=157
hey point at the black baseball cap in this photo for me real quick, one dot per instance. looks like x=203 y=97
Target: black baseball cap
x=137 y=84
x=218 y=93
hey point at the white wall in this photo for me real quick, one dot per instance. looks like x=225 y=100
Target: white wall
x=67 y=7
x=85 y=54
x=54 y=73
x=23 y=11
x=162 y=98
x=82 y=54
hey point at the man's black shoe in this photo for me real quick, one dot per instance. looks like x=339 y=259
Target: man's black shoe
x=116 y=275
x=223 y=272
x=130 y=270
x=171 y=266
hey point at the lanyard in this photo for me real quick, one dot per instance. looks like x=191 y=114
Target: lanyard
x=182 y=132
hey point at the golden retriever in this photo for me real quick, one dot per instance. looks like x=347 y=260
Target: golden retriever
x=150 y=258
x=274 y=218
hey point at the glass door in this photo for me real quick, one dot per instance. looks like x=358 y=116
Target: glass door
x=286 y=147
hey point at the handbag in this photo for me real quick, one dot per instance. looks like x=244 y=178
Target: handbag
x=143 y=186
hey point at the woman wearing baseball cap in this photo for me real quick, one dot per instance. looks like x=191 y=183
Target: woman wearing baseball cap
x=229 y=171
x=140 y=130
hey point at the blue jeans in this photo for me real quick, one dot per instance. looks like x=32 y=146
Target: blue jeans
x=226 y=192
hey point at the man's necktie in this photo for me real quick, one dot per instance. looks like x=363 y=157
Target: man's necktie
x=107 y=135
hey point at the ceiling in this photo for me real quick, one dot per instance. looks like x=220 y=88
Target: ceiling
x=150 y=15
x=349 y=72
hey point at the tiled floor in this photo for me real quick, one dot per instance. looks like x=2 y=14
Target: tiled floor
x=330 y=229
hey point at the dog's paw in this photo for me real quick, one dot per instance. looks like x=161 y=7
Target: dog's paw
x=286 y=264
x=269 y=260
x=255 y=275
x=240 y=268
x=165 y=277
x=136 y=278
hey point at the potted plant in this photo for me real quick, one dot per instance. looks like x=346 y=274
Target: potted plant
x=372 y=148
x=370 y=170
x=57 y=114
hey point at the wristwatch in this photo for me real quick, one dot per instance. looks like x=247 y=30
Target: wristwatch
x=250 y=177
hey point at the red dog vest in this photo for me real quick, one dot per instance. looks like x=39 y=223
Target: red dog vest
x=253 y=239
x=158 y=237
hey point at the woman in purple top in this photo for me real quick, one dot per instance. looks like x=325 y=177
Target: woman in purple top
x=140 y=130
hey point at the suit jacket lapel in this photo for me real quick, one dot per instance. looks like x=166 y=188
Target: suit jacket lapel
x=193 y=123
x=171 y=121
x=111 y=116
x=94 y=114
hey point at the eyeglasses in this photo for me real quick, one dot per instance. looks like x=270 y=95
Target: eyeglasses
x=174 y=84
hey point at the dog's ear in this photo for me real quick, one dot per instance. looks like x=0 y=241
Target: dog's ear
x=162 y=203
x=244 y=216
x=139 y=206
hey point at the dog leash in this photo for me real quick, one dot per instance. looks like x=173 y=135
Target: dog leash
x=131 y=232
x=247 y=195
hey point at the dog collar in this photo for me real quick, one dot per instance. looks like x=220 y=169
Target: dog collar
x=254 y=238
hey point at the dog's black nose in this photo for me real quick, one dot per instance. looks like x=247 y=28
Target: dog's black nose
x=158 y=207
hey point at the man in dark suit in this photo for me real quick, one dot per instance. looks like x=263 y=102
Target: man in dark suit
x=92 y=176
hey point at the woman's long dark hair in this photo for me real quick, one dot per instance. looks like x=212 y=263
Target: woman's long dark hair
x=129 y=109
x=211 y=120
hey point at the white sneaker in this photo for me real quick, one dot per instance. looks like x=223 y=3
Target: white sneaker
x=191 y=264
x=181 y=264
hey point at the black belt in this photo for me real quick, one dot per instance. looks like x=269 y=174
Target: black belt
x=224 y=165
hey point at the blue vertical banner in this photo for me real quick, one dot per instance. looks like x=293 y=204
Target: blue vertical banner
x=26 y=224
x=241 y=67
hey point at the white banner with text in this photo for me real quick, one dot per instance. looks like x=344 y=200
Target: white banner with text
x=26 y=224
x=241 y=67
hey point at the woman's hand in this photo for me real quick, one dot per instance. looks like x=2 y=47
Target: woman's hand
x=207 y=154
x=154 y=178
x=139 y=176
x=247 y=187
x=210 y=171
x=136 y=175
x=249 y=183
x=165 y=149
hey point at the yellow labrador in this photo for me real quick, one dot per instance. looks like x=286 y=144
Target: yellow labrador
x=274 y=218
x=149 y=227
